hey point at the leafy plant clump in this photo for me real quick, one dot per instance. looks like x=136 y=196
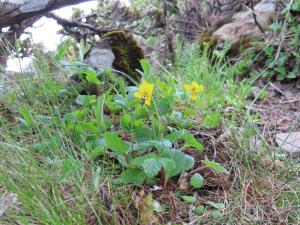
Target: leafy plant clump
x=120 y=156
x=278 y=55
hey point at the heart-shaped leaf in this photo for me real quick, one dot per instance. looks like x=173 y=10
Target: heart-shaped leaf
x=152 y=164
x=133 y=176
x=116 y=144
x=183 y=162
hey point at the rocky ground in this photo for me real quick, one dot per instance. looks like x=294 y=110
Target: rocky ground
x=280 y=115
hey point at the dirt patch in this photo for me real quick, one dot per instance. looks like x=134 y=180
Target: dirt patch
x=280 y=110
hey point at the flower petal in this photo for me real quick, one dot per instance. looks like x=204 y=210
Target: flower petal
x=150 y=88
x=148 y=100
x=194 y=96
x=138 y=94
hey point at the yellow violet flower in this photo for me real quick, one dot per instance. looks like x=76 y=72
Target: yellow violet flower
x=194 y=89
x=145 y=92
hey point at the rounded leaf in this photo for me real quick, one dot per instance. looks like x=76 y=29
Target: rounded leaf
x=189 y=199
x=199 y=210
x=197 y=181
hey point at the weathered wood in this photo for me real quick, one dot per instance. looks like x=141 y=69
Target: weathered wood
x=21 y=14
x=15 y=11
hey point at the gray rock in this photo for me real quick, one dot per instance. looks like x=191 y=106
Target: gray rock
x=100 y=57
x=289 y=142
x=243 y=23
x=6 y=202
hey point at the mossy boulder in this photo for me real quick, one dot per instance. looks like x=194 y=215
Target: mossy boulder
x=116 y=50
x=127 y=52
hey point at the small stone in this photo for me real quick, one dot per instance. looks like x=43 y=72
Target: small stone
x=6 y=202
x=289 y=142
x=100 y=57
x=183 y=182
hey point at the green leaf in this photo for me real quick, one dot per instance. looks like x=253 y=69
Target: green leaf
x=141 y=112
x=102 y=123
x=153 y=144
x=152 y=164
x=66 y=167
x=27 y=116
x=216 y=214
x=76 y=115
x=133 y=176
x=199 y=210
x=143 y=134
x=292 y=75
x=87 y=126
x=164 y=105
x=99 y=111
x=61 y=49
x=52 y=144
x=157 y=128
x=146 y=68
x=168 y=165
x=122 y=159
x=196 y=181
x=296 y=6
x=96 y=152
x=215 y=166
x=151 y=167
x=140 y=160
x=116 y=144
x=91 y=76
x=180 y=121
x=212 y=119
x=189 y=199
x=216 y=205
x=157 y=207
x=126 y=122
x=97 y=148
x=174 y=136
x=86 y=100
x=182 y=161
x=190 y=141
x=280 y=70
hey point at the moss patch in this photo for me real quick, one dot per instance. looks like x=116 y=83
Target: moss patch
x=127 y=51
x=207 y=37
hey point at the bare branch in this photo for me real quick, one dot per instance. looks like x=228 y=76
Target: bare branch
x=69 y=24
x=254 y=17
x=8 y=39
x=13 y=13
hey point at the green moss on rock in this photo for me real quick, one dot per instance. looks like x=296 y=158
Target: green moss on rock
x=239 y=46
x=127 y=51
x=207 y=38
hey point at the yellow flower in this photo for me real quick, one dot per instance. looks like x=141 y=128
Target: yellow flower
x=145 y=92
x=194 y=89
